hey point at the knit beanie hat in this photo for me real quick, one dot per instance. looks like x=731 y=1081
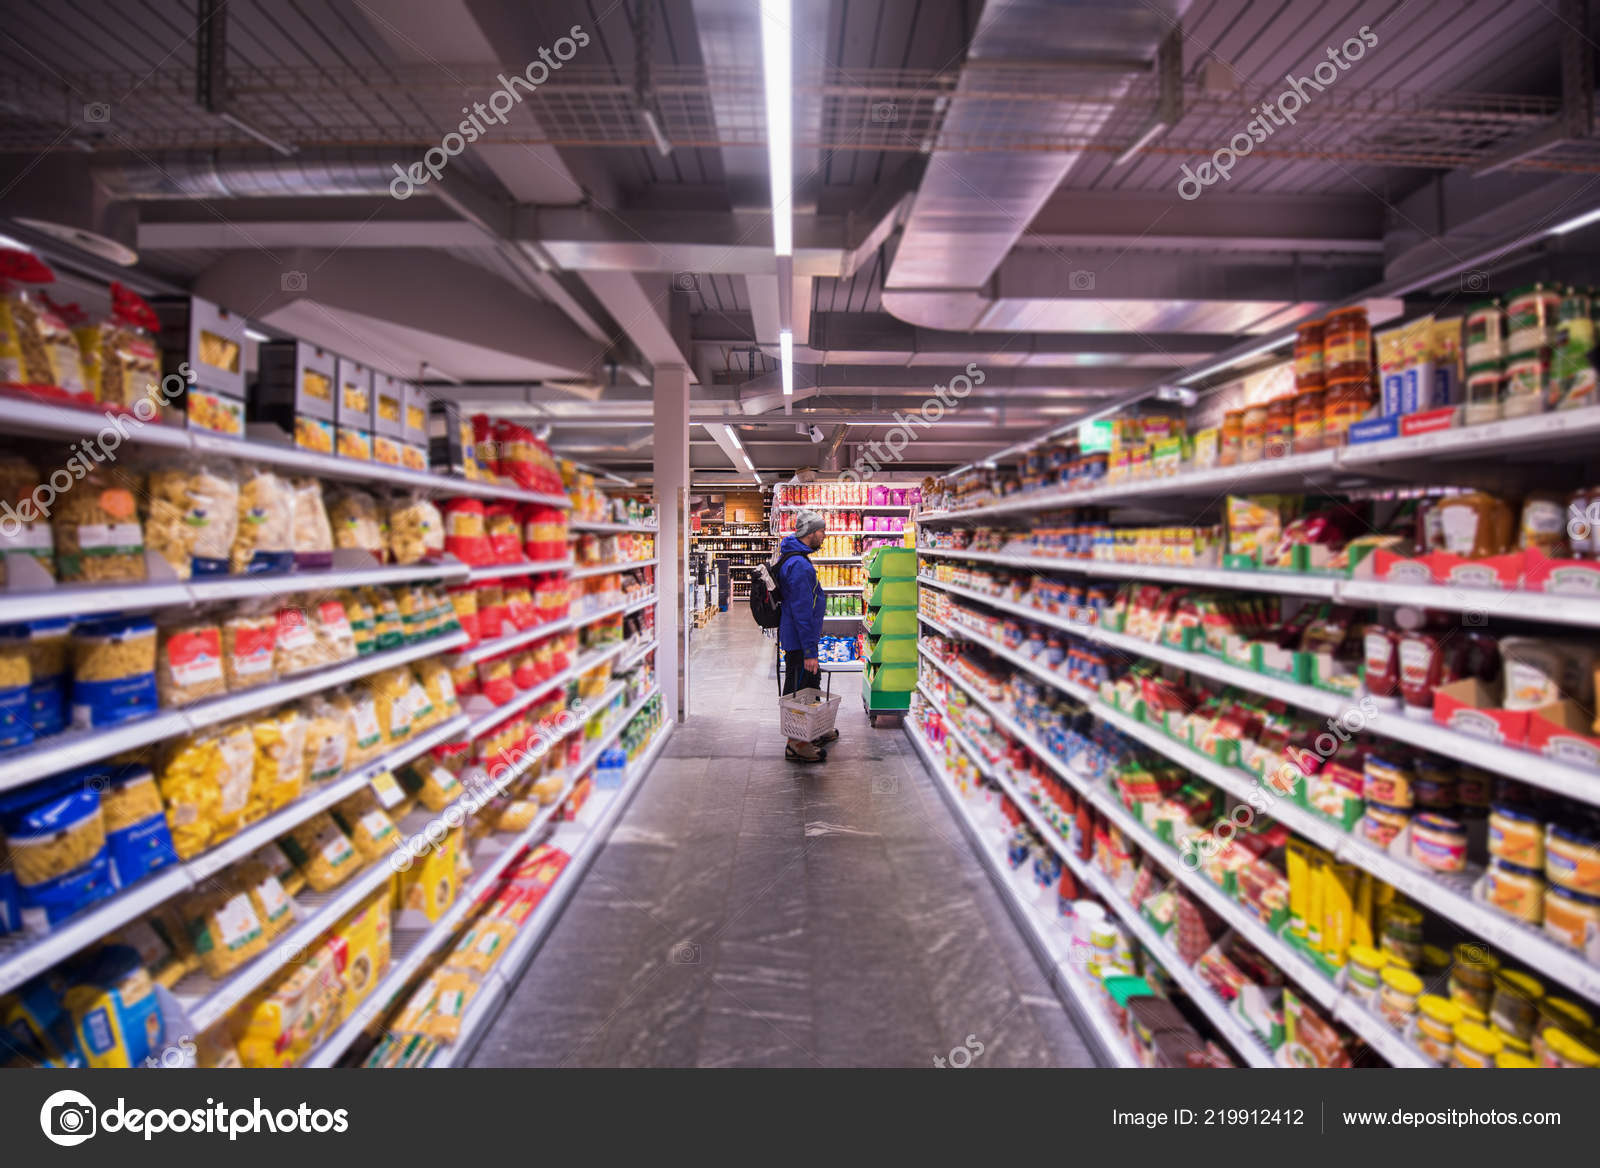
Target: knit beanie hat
x=807 y=522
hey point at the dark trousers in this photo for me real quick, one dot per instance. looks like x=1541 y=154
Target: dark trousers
x=795 y=674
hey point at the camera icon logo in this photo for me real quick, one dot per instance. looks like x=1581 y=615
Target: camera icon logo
x=885 y=111
x=686 y=281
x=885 y=785
x=293 y=282
x=1474 y=281
x=97 y=111
x=68 y=1118
x=1081 y=281
x=686 y=953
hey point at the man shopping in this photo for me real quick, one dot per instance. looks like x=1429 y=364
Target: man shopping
x=800 y=625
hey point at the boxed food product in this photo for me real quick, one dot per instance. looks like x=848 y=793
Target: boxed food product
x=429 y=885
x=202 y=339
x=114 y=671
x=294 y=390
x=116 y=1019
x=361 y=942
x=388 y=407
x=353 y=409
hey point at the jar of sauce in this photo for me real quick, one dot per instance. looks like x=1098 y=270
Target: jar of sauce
x=1436 y=1026
x=1515 y=890
x=1397 y=1001
x=1279 y=436
x=1485 y=333
x=1387 y=782
x=1531 y=315
x=1348 y=400
x=1483 y=392
x=1232 y=438
x=1515 y=1009
x=1472 y=976
x=1570 y=918
x=1253 y=435
x=1583 y=533
x=1562 y=1050
x=1309 y=417
x=1523 y=388
x=1475 y=1047
x=1421 y=666
x=1381 y=825
x=1435 y=790
x=1572 y=858
x=1516 y=835
x=1346 y=345
x=1439 y=842
x=1308 y=342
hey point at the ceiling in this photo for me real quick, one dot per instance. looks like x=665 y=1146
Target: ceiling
x=983 y=183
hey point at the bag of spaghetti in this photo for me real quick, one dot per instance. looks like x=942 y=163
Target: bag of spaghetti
x=189 y=660
x=280 y=762
x=264 y=538
x=313 y=532
x=28 y=536
x=98 y=537
x=322 y=852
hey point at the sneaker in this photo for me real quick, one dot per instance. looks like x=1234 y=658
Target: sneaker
x=830 y=736
x=805 y=753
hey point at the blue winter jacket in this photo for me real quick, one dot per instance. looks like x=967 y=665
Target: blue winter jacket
x=804 y=601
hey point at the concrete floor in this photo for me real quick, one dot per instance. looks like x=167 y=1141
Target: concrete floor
x=749 y=911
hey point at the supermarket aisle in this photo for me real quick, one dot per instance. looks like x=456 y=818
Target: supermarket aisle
x=752 y=912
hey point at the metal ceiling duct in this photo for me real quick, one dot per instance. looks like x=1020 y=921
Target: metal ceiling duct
x=209 y=175
x=973 y=206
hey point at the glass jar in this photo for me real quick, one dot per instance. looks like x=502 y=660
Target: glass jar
x=1527 y=376
x=1346 y=345
x=1278 y=437
x=1516 y=835
x=1515 y=890
x=1348 y=400
x=1308 y=353
x=1530 y=318
x=1309 y=410
x=1228 y=450
x=1483 y=392
x=1485 y=333
x=1253 y=435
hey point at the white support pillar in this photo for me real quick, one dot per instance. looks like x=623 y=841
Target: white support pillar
x=671 y=395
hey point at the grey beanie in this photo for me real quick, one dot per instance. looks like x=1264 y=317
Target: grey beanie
x=807 y=522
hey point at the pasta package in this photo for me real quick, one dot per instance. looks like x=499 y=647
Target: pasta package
x=392 y=698
x=433 y=784
x=48 y=644
x=331 y=625
x=367 y=824
x=19 y=482
x=16 y=690
x=98 y=537
x=236 y=748
x=249 y=649
x=122 y=350
x=223 y=927
x=37 y=349
x=416 y=530
x=366 y=733
x=323 y=854
x=264 y=538
x=114 y=671
x=272 y=858
x=189 y=663
x=356 y=523
x=363 y=628
x=166 y=526
x=313 y=532
x=295 y=645
x=53 y=828
x=271 y=902
x=440 y=687
x=280 y=761
x=137 y=839
x=283 y=1025
x=328 y=735
x=190 y=781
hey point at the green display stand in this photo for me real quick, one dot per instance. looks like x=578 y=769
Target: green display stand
x=893 y=622
x=893 y=593
x=888 y=688
x=892 y=563
x=893 y=650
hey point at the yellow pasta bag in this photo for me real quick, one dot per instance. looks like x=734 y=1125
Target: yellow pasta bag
x=367 y=824
x=441 y=688
x=272 y=904
x=191 y=786
x=391 y=695
x=481 y=946
x=236 y=747
x=280 y=1027
x=327 y=746
x=223 y=927
x=323 y=853
x=365 y=731
x=280 y=750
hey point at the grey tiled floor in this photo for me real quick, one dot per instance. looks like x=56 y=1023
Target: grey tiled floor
x=752 y=912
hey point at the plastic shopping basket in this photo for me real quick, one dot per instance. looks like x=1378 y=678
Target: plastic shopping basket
x=808 y=713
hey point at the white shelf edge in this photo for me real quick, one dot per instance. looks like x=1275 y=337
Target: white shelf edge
x=483 y=650
x=591 y=525
x=606 y=569
x=524 y=568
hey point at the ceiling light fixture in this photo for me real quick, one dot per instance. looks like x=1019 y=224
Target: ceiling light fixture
x=777 y=65
x=786 y=360
x=748 y=464
x=1155 y=129
x=1574 y=224
x=254 y=335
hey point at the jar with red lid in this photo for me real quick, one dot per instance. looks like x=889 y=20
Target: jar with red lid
x=1309 y=420
x=1308 y=354
x=1347 y=401
x=1232 y=438
x=1346 y=345
x=1278 y=439
x=1421 y=669
x=1381 y=669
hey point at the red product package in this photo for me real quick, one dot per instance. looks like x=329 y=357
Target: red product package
x=525 y=670
x=495 y=679
x=520 y=608
x=492 y=614
x=485 y=443
x=466 y=532
x=504 y=533
x=466 y=611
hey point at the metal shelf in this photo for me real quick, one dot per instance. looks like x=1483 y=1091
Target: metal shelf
x=498 y=645
x=523 y=568
x=604 y=569
x=594 y=525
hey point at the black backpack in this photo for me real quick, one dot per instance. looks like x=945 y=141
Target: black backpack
x=766 y=594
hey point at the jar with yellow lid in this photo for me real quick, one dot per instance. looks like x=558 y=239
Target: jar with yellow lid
x=1565 y=1016
x=1475 y=1047
x=1472 y=976
x=1515 y=890
x=1363 y=972
x=1402 y=936
x=1436 y=1026
x=1561 y=1050
x=1435 y=960
x=1510 y=1061
x=1397 y=1002
x=1512 y=1043
x=1516 y=1003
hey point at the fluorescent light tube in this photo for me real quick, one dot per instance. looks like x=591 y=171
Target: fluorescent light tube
x=786 y=360
x=1575 y=224
x=1240 y=359
x=255 y=336
x=748 y=464
x=777 y=66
